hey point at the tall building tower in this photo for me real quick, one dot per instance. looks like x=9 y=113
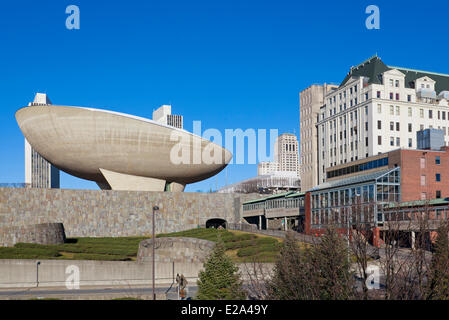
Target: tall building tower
x=163 y=115
x=39 y=173
x=286 y=153
x=310 y=101
x=286 y=157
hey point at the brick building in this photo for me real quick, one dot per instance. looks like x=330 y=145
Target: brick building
x=360 y=191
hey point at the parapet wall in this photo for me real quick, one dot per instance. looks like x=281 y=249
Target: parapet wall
x=45 y=233
x=101 y=213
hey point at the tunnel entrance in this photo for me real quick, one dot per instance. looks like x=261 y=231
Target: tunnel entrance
x=216 y=223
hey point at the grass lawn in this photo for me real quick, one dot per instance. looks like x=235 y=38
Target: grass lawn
x=108 y=249
x=240 y=246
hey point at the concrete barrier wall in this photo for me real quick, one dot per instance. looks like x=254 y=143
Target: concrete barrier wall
x=52 y=273
x=100 y=213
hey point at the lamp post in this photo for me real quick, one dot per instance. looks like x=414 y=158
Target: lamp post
x=155 y=208
x=37 y=273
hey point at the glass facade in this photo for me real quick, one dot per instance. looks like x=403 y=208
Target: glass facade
x=359 y=202
x=374 y=164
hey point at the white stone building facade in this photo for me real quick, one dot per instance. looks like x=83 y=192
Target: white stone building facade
x=378 y=108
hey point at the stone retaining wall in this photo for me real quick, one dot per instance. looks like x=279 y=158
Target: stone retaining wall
x=175 y=249
x=101 y=213
x=45 y=233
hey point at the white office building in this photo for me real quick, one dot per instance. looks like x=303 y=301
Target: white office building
x=378 y=108
x=163 y=115
x=286 y=157
x=39 y=173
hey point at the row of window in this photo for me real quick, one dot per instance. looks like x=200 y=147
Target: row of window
x=358 y=168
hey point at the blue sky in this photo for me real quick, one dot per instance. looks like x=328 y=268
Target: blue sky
x=230 y=64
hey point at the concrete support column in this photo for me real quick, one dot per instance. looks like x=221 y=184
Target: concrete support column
x=260 y=222
x=412 y=239
x=285 y=224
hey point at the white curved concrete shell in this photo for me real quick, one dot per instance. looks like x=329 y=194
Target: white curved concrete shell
x=119 y=151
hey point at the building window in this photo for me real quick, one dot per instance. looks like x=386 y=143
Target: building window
x=437 y=160
x=430 y=114
x=421 y=113
x=409 y=98
x=410 y=142
x=397 y=96
x=391 y=110
x=397 y=83
x=366 y=141
x=423 y=196
x=398 y=142
x=423 y=180
x=392 y=141
x=423 y=163
x=438 y=194
x=391 y=126
x=378 y=94
x=379 y=124
x=438 y=177
x=379 y=108
x=410 y=111
x=391 y=95
x=397 y=126
x=397 y=111
x=410 y=127
x=366 y=126
x=379 y=141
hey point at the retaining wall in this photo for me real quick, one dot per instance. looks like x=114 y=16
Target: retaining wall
x=109 y=213
x=45 y=233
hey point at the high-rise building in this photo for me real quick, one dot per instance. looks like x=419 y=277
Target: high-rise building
x=39 y=173
x=163 y=115
x=286 y=156
x=379 y=108
x=310 y=102
x=286 y=153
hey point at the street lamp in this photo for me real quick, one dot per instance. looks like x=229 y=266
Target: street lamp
x=37 y=273
x=155 y=208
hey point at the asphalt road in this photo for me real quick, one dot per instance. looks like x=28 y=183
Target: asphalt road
x=125 y=292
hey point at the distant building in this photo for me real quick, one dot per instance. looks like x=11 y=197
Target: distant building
x=266 y=184
x=286 y=157
x=39 y=173
x=267 y=167
x=163 y=115
x=286 y=153
x=282 y=174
